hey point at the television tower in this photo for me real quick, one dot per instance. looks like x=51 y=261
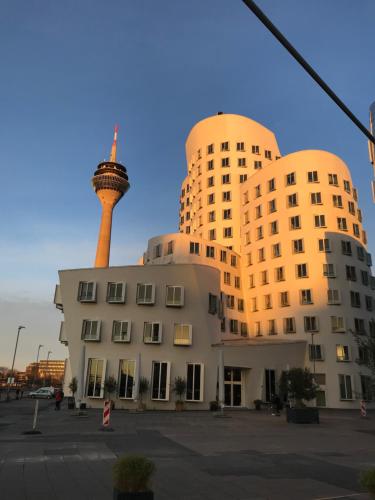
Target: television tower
x=110 y=183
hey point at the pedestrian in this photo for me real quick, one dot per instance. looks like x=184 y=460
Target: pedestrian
x=17 y=393
x=275 y=405
x=58 y=398
x=22 y=390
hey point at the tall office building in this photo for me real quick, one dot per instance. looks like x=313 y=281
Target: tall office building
x=270 y=270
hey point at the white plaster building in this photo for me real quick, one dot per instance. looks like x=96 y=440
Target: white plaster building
x=270 y=270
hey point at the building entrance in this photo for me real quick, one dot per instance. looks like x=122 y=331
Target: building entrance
x=233 y=386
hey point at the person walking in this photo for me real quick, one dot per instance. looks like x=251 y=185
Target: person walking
x=58 y=398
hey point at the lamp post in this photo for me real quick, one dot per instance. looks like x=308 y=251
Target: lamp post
x=14 y=357
x=36 y=365
x=49 y=352
x=313 y=351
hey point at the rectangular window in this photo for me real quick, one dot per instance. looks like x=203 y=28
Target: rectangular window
x=255 y=150
x=223 y=255
x=158 y=248
x=160 y=380
x=170 y=246
x=254 y=306
x=301 y=271
x=233 y=260
x=274 y=228
x=126 y=381
x=227 y=213
x=347 y=186
x=258 y=191
x=290 y=179
x=241 y=162
x=351 y=274
x=316 y=198
x=351 y=207
x=276 y=250
x=259 y=232
x=212 y=234
x=210 y=252
x=346 y=247
x=279 y=274
x=355 y=299
x=295 y=222
x=237 y=282
x=212 y=303
x=211 y=181
x=337 y=201
x=211 y=199
x=121 y=331
x=360 y=253
x=267 y=301
x=87 y=291
x=261 y=255
x=258 y=211
x=95 y=378
x=333 y=297
x=369 y=303
x=356 y=230
x=292 y=200
x=226 y=278
x=311 y=323
x=284 y=299
x=243 y=178
x=145 y=293
x=324 y=245
x=306 y=297
x=91 y=330
x=257 y=164
x=225 y=179
x=289 y=325
x=243 y=329
x=272 y=330
x=319 y=221
x=183 y=334
x=152 y=332
x=315 y=352
x=224 y=146
x=174 y=296
x=298 y=246
x=210 y=149
x=341 y=224
x=233 y=326
x=345 y=383
x=359 y=326
x=251 y=281
x=116 y=293
x=240 y=305
x=312 y=176
x=225 y=162
x=264 y=277
x=230 y=301
x=258 y=329
x=227 y=196
x=271 y=185
x=240 y=146
x=342 y=353
x=268 y=154
x=211 y=216
x=272 y=206
x=194 y=248
x=332 y=179
x=194 y=381
x=329 y=270
x=227 y=232
x=337 y=324
x=210 y=165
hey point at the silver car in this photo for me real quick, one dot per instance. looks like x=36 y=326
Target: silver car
x=43 y=393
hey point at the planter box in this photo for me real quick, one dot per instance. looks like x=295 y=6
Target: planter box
x=142 y=495
x=302 y=415
x=71 y=403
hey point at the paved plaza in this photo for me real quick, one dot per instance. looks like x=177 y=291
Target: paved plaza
x=248 y=455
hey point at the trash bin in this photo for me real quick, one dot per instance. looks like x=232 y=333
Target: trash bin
x=82 y=406
x=71 y=403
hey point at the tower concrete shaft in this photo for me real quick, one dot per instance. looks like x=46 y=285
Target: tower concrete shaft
x=110 y=183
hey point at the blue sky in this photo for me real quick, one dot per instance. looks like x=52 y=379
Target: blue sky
x=70 y=70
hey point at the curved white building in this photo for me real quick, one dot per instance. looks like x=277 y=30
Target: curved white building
x=270 y=270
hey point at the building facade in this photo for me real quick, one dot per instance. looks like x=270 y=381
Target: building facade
x=270 y=270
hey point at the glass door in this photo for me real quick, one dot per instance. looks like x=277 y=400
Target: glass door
x=233 y=386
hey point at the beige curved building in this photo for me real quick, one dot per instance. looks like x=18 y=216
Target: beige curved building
x=270 y=270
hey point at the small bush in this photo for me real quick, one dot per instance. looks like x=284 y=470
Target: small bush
x=132 y=474
x=367 y=481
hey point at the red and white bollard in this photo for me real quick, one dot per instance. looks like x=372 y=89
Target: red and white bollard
x=106 y=416
x=363 y=409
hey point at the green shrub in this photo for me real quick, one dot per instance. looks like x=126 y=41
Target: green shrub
x=179 y=387
x=132 y=473
x=367 y=481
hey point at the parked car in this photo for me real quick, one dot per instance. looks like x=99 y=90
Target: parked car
x=43 y=393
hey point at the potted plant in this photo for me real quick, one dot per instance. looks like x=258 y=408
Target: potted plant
x=367 y=481
x=179 y=388
x=73 y=386
x=258 y=404
x=143 y=388
x=110 y=385
x=131 y=478
x=298 y=385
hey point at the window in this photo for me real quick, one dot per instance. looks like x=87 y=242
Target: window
x=230 y=301
x=329 y=270
x=316 y=198
x=194 y=381
x=233 y=260
x=342 y=353
x=210 y=165
x=87 y=291
x=301 y=271
x=259 y=232
x=264 y=277
x=289 y=325
x=233 y=326
x=211 y=216
x=359 y=326
x=306 y=297
x=272 y=206
x=346 y=247
x=347 y=186
x=369 y=303
x=251 y=281
x=227 y=213
x=360 y=253
x=298 y=246
x=271 y=185
x=183 y=334
x=351 y=207
x=292 y=200
x=243 y=331
x=333 y=297
x=245 y=198
x=368 y=259
x=152 y=332
x=258 y=191
x=337 y=200
x=257 y=164
x=170 y=246
x=157 y=248
x=356 y=230
x=355 y=195
x=312 y=176
x=240 y=305
x=332 y=179
x=319 y=221
x=359 y=214
x=121 y=331
x=345 y=383
x=116 y=293
x=295 y=222
x=255 y=150
x=324 y=245
x=351 y=274
x=210 y=252
x=210 y=149
x=126 y=380
x=268 y=154
x=160 y=380
x=365 y=278
x=315 y=352
x=258 y=329
x=157 y=252
x=311 y=323
x=240 y=146
x=226 y=278
x=272 y=327
x=194 y=248
x=341 y=224
x=223 y=256
x=261 y=255
x=355 y=299
x=227 y=196
x=174 y=296
x=284 y=299
x=290 y=179
x=337 y=324
x=228 y=232
x=237 y=282
x=212 y=303
x=274 y=229
x=211 y=198
x=254 y=306
x=243 y=178
x=241 y=162
x=91 y=330
x=279 y=274
x=211 y=181
x=95 y=378
x=225 y=179
x=276 y=250
x=258 y=211
x=225 y=162
x=145 y=293
x=224 y=146
x=212 y=234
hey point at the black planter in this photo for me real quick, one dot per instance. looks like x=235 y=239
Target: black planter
x=141 y=495
x=71 y=403
x=302 y=415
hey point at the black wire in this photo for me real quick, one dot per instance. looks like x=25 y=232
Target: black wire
x=289 y=47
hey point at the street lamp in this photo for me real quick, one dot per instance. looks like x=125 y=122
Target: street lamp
x=36 y=365
x=313 y=351
x=45 y=373
x=14 y=357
